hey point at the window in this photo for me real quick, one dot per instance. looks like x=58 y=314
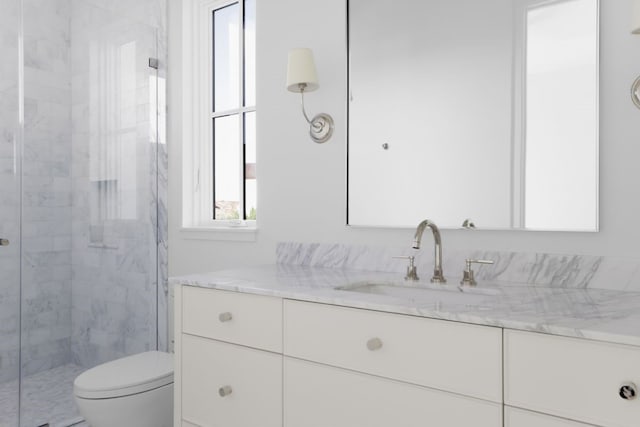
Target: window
x=222 y=149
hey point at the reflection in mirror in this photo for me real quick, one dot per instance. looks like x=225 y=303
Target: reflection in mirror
x=465 y=109
x=561 y=151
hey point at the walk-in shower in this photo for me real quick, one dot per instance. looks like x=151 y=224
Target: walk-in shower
x=82 y=196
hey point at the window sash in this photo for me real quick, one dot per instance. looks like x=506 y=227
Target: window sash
x=203 y=148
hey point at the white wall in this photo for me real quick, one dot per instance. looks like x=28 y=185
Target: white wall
x=302 y=185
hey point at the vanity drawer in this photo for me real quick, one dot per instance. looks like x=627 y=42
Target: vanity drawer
x=572 y=378
x=450 y=356
x=253 y=378
x=520 y=418
x=251 y=320
x=323 y=396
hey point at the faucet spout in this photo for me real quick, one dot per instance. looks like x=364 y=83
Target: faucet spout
x=438 y=275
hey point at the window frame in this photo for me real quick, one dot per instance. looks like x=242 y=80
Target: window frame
x=198 y=144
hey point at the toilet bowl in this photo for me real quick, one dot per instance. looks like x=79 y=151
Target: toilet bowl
x=135 y=391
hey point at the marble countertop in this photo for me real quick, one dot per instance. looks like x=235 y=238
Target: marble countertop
x=603 y=315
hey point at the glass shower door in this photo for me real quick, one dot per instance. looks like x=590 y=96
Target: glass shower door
x=82 y=225
x=89 y=255
x=10 y=202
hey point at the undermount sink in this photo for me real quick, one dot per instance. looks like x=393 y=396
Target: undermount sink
x=422 y=293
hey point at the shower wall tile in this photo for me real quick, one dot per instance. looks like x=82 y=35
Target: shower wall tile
x=117 y=199
x=46 y=191
x=149 y=12
x=83 y=298
x=163 y=246
x=9 y=195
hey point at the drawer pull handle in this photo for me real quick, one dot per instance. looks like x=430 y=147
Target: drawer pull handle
x=628 y=391
x=374 y=344
x=225 y=317
x=225 y=391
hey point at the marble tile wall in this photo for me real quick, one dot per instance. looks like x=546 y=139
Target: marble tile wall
x=158 y=20
x=118 y=177
x=46 y=187
x=509 y=268
x=9 y=191
x=94 y=182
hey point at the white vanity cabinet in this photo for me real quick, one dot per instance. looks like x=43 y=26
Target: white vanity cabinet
x=350 y=367
x=318 y=395
x=571 y=378
x=228 y=362
x=244 y=360
x=449 y=356
x=514 y=417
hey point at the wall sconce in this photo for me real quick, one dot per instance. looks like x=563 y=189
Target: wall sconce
x=301 y=78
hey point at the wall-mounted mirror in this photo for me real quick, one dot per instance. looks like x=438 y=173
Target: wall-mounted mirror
x=474 y=109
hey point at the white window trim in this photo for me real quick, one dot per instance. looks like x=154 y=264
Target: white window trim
x=197 y=186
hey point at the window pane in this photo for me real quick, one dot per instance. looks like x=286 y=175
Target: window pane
x=226 y=58
x=227 y=161
x=251 y=204
x=250 y=52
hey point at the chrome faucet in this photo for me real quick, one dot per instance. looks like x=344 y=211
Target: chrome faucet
x=438 y=276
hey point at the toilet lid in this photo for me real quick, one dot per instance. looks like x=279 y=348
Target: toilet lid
x=129 y=375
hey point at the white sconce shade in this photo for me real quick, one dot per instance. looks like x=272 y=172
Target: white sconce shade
x=301 y=71
x=635 y=27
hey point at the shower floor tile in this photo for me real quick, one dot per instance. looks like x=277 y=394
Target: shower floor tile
x=47 y=397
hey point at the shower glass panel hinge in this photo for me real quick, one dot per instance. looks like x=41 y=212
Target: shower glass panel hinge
x=153 y=63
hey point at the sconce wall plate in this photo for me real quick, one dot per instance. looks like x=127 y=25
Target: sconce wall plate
x=635 y=92
x=321 y=128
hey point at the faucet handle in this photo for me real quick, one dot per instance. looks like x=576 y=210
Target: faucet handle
x=412 y=271
x=468 y=278
x=468 y=224
x=478 y=261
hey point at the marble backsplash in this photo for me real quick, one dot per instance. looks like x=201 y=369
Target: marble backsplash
x=509 y=268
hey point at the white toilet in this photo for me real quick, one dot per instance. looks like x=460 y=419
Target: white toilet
x=135 y=391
